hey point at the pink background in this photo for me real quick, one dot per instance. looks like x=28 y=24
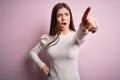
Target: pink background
x=22 y=22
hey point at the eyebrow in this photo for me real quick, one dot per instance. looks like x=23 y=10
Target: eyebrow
x=63 y=13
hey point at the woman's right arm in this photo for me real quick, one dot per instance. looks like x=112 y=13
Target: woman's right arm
x=44 y=40
x=36 y=50
x=34 y=55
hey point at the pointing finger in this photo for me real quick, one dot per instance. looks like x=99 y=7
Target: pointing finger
x=85 y=15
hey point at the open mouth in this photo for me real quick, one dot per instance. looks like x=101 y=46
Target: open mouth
x=64 y=23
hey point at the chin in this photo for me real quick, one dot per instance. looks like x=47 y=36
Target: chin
x=64 y=28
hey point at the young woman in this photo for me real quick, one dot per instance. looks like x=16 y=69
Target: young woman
x=62 y=43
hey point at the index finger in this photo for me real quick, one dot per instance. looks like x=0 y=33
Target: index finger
x=85 y=15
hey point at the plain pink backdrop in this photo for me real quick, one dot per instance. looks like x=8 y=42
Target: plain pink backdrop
x=22 y=22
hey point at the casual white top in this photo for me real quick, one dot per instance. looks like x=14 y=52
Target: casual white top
x=63 y=55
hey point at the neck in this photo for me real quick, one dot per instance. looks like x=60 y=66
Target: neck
x=64 y=32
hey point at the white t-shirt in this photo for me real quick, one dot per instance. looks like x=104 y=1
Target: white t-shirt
x=63 y=55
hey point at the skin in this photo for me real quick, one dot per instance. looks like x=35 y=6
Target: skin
x=63 y=16
x=88 y=24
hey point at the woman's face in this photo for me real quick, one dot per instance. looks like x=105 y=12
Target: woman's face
x=63 y=19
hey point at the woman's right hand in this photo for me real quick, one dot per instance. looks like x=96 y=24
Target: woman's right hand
x=46 y=70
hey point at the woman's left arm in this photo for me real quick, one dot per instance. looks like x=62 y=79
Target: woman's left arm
x=88 y=24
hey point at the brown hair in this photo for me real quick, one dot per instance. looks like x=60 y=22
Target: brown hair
x=53 y=25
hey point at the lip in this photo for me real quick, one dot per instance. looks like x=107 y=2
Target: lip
x=64 y=23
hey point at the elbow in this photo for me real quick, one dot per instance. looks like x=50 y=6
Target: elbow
x=31 y=54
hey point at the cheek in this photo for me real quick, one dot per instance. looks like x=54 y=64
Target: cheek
x=58 y=21
x=68 y=19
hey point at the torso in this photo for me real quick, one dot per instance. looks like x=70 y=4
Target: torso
x=63 y=58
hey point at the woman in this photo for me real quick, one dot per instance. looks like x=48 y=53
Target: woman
x=62 y=43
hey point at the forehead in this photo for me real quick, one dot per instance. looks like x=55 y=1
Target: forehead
x=63 y=10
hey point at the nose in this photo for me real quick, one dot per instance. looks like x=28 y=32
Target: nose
x=63 y=17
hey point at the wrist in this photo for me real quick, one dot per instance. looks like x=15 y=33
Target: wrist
x=83 y=28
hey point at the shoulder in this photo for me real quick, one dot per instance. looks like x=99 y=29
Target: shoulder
x=46 y=39
x=45 y=36
x=73 y=32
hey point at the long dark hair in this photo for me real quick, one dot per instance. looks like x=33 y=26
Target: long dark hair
x=53 y=25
